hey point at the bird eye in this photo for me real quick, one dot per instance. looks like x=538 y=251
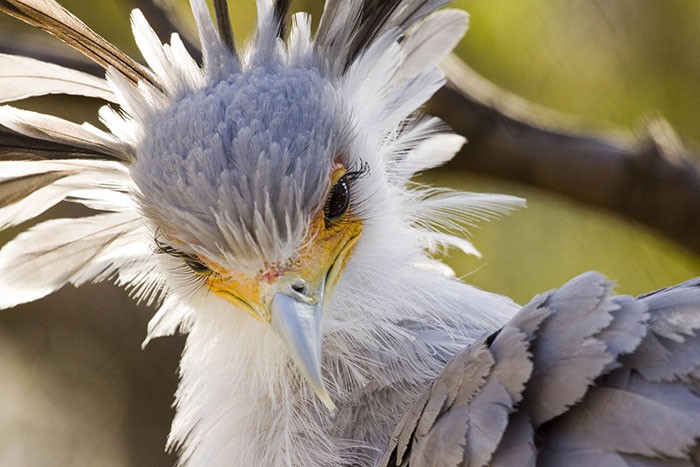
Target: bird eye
x=190 y=260
x=338 y=200
x=196 y=265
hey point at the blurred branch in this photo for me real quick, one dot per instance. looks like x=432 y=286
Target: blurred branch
x=652 y=179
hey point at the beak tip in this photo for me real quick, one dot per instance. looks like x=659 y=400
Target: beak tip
x=329 y=404
x=324 y=397
x=299 y=327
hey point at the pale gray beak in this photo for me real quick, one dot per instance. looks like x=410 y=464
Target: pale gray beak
x=296 y=318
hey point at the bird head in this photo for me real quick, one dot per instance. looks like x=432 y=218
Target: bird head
x=255 y=183
x=261 y=176
x=264 y=179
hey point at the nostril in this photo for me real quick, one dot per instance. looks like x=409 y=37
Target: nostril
x=300 y=288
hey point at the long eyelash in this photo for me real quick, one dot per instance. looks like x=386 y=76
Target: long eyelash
x=348 y=177
x=193 y=281
x=164 y=248
x=361 y=171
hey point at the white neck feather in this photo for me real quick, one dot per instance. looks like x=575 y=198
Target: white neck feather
x=241 y=400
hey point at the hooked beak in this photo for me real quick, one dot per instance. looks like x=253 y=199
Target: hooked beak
x=296 y=318
x=293 y=299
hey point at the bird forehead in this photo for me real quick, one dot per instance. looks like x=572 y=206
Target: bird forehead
x=279 y=115
x=242 y=163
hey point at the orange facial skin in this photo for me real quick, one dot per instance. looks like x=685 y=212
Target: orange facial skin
x=318 y=265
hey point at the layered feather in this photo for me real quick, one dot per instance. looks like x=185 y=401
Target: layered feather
x=348 y=29
x=46 y=160
x=569 y=380
x=26 y=135
x=54 y=253
x=28 y=189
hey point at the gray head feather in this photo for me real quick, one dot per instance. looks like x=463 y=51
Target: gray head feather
x=243 y=163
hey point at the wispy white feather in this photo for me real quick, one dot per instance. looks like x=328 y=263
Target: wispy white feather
x=435 y=240
x=218 y=60
x=367 y=78
x=54 y=253
x=54 y=129
x=431 y=40
x=172 y=63
x=96 y=184
x=266 y=40
x=453 y=210
x=23 y=77
x=169 y=317
x=422 y=149
x=405 y=99
x=300 y=46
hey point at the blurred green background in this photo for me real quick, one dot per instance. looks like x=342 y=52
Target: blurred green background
x=610 y=63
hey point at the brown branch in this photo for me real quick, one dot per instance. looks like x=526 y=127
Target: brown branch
x=652 y=179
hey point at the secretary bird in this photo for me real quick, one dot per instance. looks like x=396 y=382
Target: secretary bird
x=263 y=200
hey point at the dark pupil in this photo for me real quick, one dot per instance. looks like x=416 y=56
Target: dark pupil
x=196 y=265
x=338 y=200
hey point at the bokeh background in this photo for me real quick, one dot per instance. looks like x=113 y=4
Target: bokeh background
x=76 y=388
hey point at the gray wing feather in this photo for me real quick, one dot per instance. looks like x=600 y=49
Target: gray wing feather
x=517 y=447
x=672 y=350
x=626 y=330
x=633 y=416
x=639 y=461
x=478 y=379
x=576 y=378
x=406 y=428
x=477 y=365
x=567 y=357
x=491 y=408
x=415 y=440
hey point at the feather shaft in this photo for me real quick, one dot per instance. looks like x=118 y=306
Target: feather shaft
x=56 y=20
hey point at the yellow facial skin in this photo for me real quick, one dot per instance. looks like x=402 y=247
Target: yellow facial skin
x=318 y=266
